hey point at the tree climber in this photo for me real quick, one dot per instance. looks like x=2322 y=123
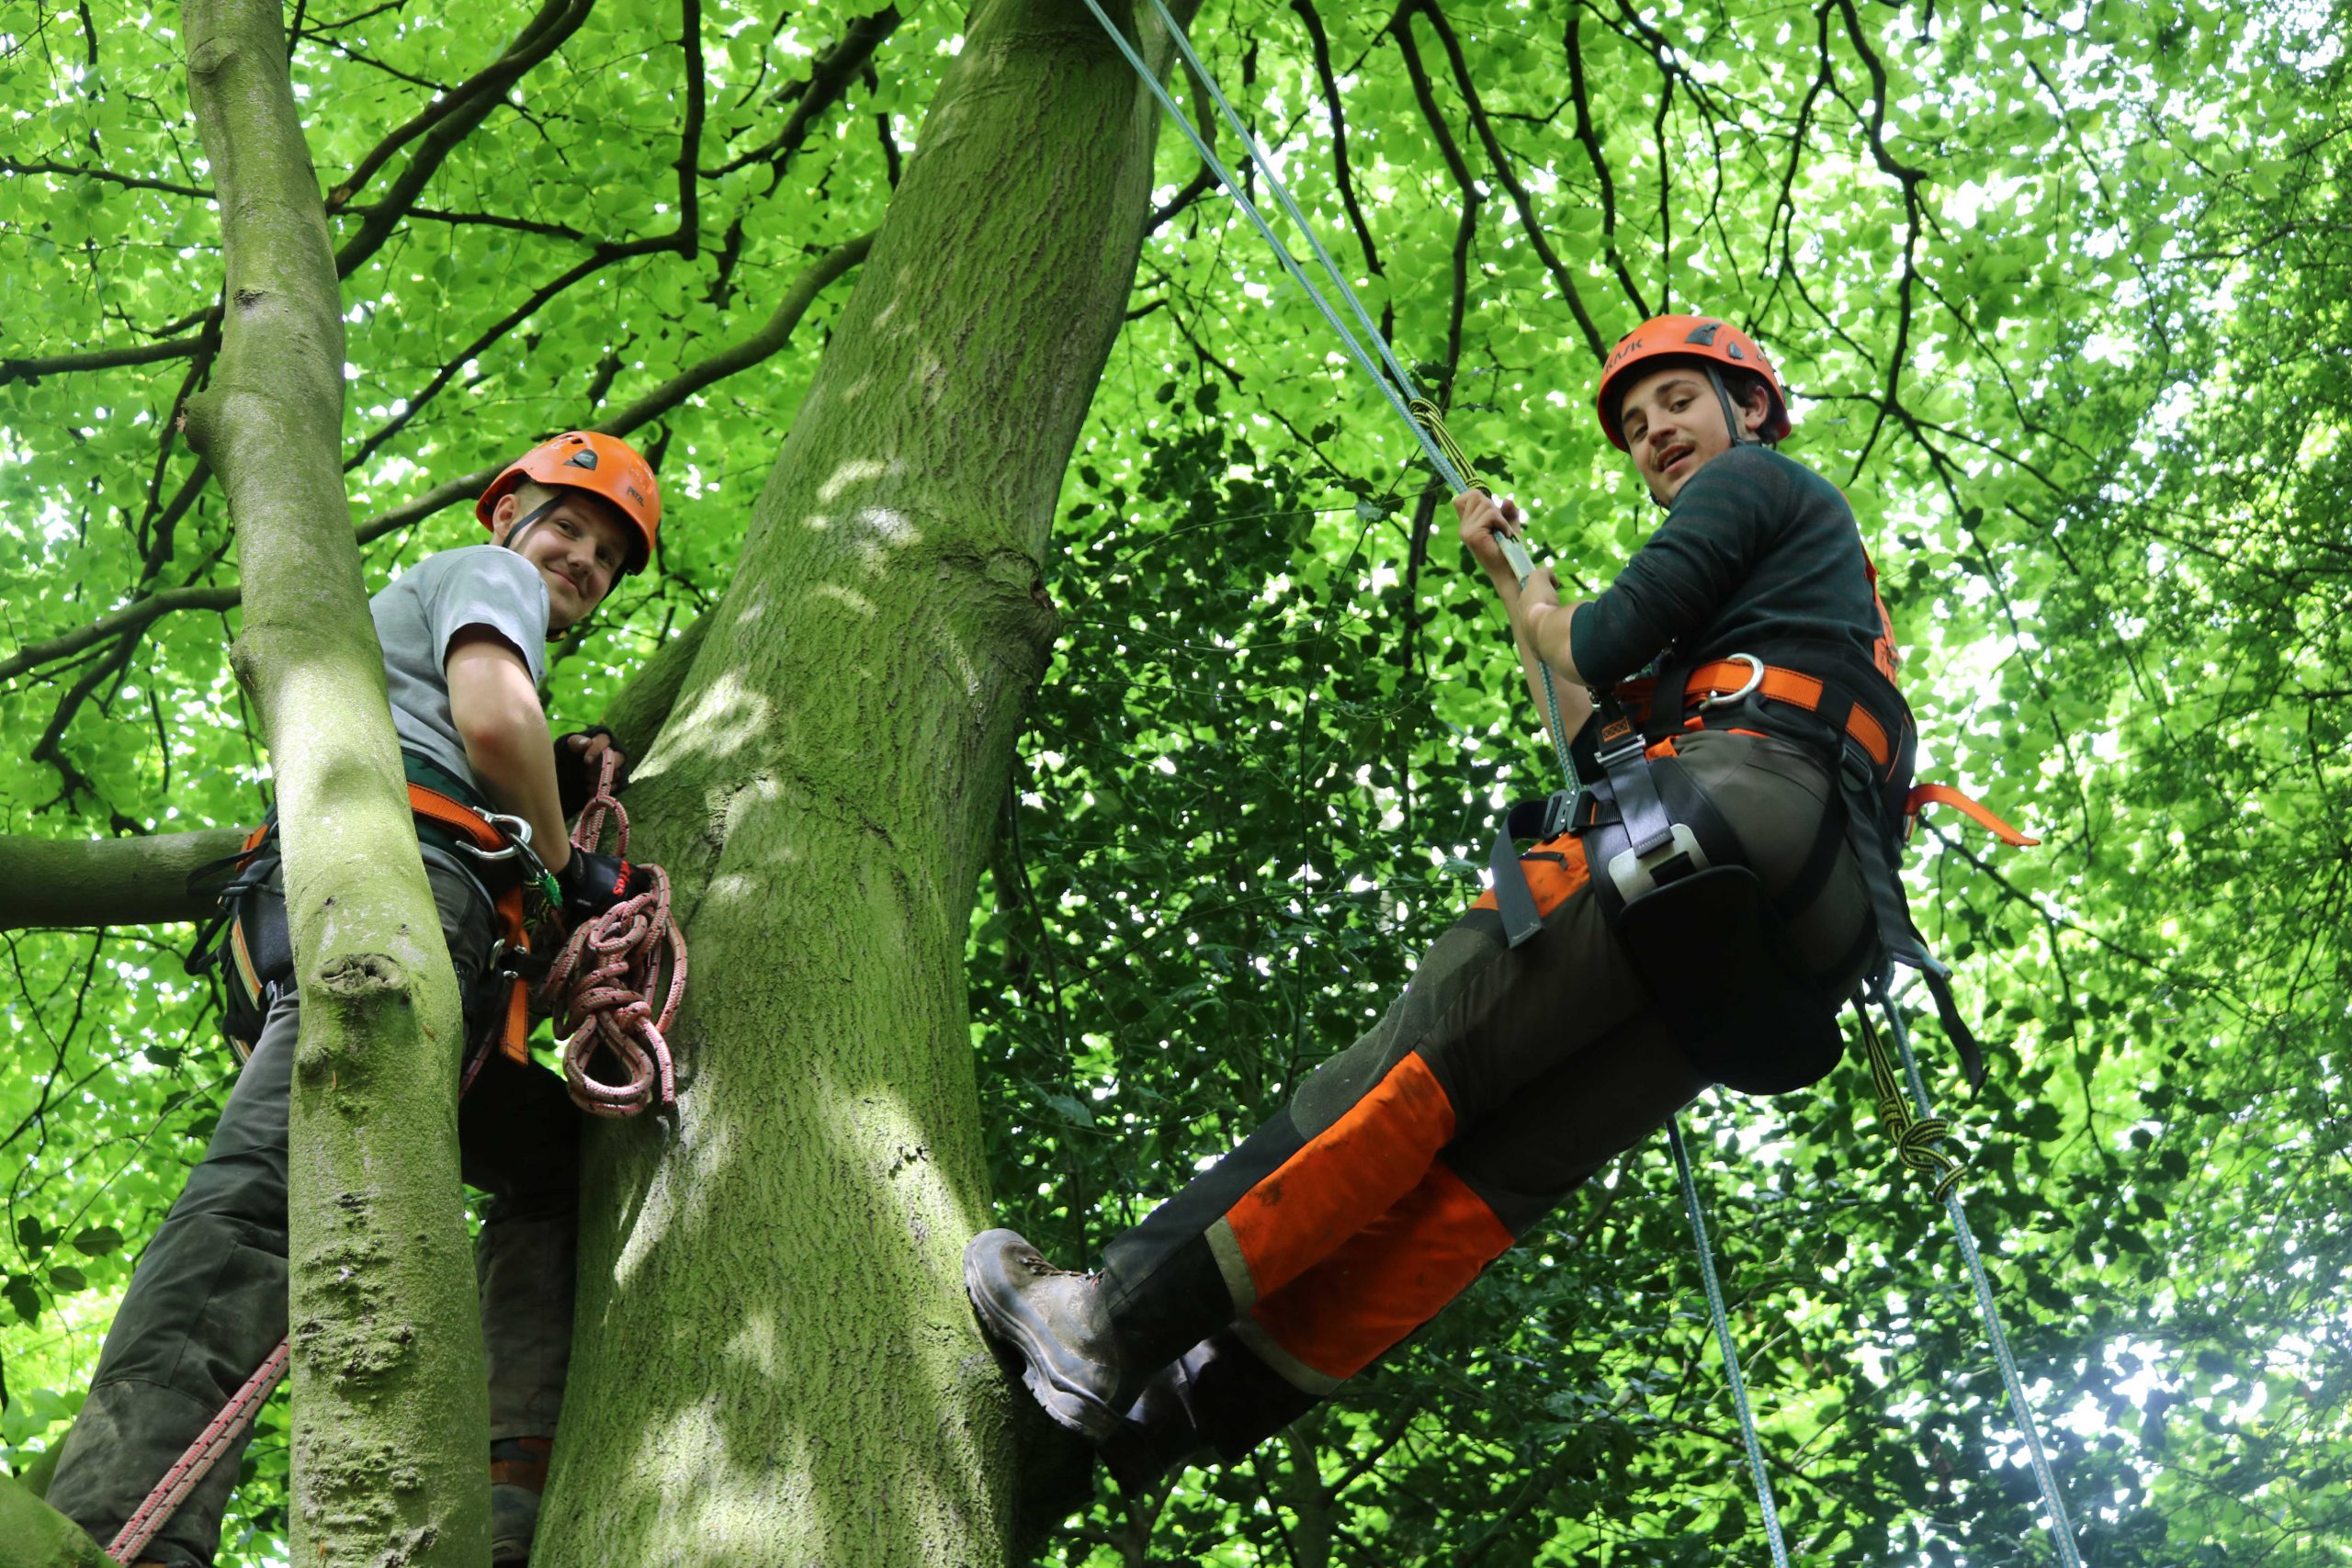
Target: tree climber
x=462 y=632
x=1696 y=914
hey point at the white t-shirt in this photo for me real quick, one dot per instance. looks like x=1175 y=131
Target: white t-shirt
x=416 y=616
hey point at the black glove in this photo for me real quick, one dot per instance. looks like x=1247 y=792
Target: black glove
x=592 y=884
x=576 y=776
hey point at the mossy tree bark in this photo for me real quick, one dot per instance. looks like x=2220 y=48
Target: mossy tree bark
x=777 y=1363
x=34 y=1535
x=100 y=882
x=390 y=1426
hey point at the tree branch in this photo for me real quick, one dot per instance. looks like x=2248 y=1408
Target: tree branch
x=44 y=1538
x=771 y=337
x=101 y=358
x=442 y=126
x=1589 y=136
x=1321 y=45
x=131 y=618
x=108 y=882
x=829 y=78
x=1510 y=180
x=373 y=1167
x=76 y=171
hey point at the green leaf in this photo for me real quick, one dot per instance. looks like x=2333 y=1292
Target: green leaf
x=98 y=1241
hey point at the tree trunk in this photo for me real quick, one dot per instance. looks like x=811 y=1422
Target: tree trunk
x=777 y=1364
x=391 y=1423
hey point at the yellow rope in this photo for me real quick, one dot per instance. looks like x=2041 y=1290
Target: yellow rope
x=1916 y=1138
x=1425 y=413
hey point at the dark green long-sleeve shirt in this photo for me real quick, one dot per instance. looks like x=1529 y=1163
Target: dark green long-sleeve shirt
x=1758 y=552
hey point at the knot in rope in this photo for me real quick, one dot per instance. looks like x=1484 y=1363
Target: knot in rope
x=1917 y=1139
x=601 y=984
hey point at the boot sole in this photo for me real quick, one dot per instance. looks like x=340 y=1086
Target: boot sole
x=1069 y=1404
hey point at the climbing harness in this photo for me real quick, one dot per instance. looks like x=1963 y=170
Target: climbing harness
x=601 y=984
x=1774 y=698
x=254 y=951
x=598 y=986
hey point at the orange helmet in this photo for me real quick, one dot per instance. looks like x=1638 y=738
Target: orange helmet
x=602 y=465
x=1664 y=339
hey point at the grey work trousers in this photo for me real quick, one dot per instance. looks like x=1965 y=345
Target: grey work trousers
x=207 y=1302
x=1499 y=1082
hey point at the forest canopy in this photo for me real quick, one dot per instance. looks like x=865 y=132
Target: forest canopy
x=2058 y=294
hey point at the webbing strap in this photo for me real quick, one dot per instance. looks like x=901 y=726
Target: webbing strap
x=1648 y=825
x=1899 y=940
x=1514 y=900
x=1926 y=794
x=1798 y=689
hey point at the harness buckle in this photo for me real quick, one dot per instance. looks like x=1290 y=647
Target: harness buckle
x=1618 y=740
x=1638 y=875
x=1715 y=699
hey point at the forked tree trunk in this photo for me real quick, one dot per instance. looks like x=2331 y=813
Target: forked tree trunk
x=776 y=1361
x=390 y=1424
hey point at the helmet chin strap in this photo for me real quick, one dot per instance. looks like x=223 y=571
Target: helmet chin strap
x=531 y=520
x=1733 y=419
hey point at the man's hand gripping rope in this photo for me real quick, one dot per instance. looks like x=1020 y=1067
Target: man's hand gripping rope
x=601 y=984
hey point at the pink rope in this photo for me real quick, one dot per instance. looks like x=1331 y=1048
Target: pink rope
x=600 y=986
x=197 y=1463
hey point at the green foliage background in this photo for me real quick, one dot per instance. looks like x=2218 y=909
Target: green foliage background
x=2061 y=297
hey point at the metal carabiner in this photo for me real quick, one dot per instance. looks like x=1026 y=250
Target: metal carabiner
x=1724 y=699
x=518 y=837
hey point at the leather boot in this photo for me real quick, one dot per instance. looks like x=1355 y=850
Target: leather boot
x=1056 y=1319
x=519 y=1474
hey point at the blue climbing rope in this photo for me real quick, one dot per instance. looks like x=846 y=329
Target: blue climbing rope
x=2061 y=1527
x=1722 y=1317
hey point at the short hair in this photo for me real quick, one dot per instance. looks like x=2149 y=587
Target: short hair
x=530 y=495
x=1743 y=385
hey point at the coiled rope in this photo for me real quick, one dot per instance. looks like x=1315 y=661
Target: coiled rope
x=601 y=985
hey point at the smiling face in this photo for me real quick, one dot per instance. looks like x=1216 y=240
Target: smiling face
x=579 y=545
x=1674 y=426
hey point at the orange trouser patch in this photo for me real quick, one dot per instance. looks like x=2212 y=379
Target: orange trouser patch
x=1555 y=871
x=1343 y=1177
x=1387 y=1279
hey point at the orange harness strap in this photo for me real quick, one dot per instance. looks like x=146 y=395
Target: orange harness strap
x=434 y=807
x=455 y=816
x=1944 y=795
x=1791 y=686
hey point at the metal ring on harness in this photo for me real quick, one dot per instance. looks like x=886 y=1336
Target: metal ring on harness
x=518 y=837
x=1755 y=678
